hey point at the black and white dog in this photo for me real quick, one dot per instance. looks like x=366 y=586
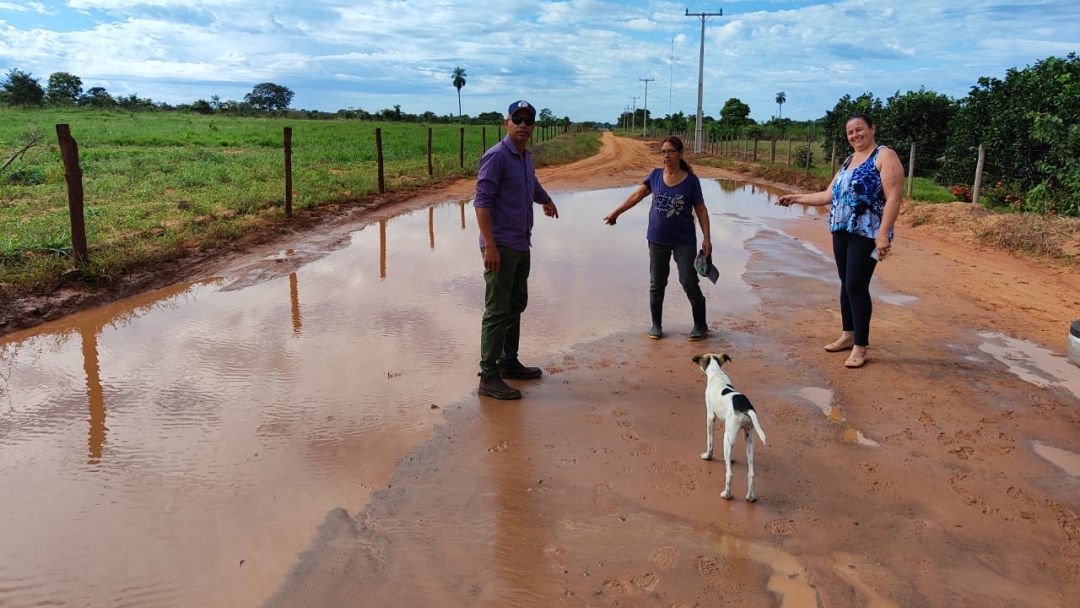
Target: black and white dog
x=734 y=408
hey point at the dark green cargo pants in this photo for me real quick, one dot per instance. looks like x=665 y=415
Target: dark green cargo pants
x=505 y=299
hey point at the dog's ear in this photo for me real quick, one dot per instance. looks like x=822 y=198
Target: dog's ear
x=697 y=359
x=724 y=358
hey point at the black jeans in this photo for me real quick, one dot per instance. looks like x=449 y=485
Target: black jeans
x=659 y=270
x=856 y=268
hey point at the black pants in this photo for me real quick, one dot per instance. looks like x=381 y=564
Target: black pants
x=856 y=268
x=660 y=257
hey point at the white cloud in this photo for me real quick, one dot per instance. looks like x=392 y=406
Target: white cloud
x=581 y=58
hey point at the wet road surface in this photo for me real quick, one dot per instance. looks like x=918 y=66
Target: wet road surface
x=184 y=447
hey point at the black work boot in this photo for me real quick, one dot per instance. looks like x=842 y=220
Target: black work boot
x=700 y=326
x=516 y=371
x=493 y=386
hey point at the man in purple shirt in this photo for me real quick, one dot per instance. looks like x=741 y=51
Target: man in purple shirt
x=506 y=190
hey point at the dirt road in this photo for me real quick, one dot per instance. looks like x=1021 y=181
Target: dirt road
x=943 y=473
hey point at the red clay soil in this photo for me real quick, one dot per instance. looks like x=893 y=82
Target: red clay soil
x=913 y=481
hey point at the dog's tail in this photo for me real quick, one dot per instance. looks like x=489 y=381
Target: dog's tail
x=757 y=425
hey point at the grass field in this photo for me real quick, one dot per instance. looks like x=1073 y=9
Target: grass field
x=158 y=185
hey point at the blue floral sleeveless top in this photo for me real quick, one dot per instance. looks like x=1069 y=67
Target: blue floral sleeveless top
x=858 y=199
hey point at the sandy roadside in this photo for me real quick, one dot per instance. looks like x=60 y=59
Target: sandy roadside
x=914 y=481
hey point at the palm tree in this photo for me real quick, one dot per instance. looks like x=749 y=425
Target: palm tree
x=781 y=98
x=459 y=81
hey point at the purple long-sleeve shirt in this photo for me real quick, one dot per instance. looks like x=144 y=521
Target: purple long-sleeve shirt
x=506 y=184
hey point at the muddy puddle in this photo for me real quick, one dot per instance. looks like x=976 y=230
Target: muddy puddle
x=185 y=447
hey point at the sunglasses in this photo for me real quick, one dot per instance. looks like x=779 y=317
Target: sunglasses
x=528 y=120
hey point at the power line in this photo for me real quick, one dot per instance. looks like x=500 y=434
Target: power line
x=701 y=74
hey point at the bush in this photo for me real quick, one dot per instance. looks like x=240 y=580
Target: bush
x=1002 y=197
x=962 y=193
x=26 y=176
x=803 y=157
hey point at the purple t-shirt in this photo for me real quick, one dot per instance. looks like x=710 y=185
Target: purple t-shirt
x=506 y=184
x=671 y=216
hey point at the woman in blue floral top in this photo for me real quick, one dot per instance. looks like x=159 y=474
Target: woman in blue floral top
x=865 y=200
x=676 y=200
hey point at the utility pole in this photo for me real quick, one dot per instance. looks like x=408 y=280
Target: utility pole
x=645 y=129
x=624 y=121
x=632 y=114
x=671 y=76
x=701 y=74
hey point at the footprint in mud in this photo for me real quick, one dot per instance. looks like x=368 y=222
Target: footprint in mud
x=623 y=422
x=619 y=413
x=685 y=474
x=971 y=435
x=1067 y=519
x=665 y=558
x=601 y=364
x=604 y=501
x=968 y=497
x=781 y=527
x=925 y=419
x=502 y=446
x=682 y=469
x=616 y=588
x=643 y=449
x=1016 y=493
x=629 y=436
x=594 y=418
x=998 y=449
x=647 y=581
x=662 y=472
x=963 y=452
x=713 y=570
x=944 y=439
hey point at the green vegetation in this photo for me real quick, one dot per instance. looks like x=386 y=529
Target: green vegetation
x=161 y=185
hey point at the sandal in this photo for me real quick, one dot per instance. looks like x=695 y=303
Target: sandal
x=855 y=359
x=840 y=344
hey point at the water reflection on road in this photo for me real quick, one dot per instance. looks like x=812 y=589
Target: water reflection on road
x=180 y=447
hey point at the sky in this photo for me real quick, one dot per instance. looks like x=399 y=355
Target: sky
x=589 y=60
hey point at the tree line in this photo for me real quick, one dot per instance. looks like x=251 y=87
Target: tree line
x=65 y=90
x=1027 y=124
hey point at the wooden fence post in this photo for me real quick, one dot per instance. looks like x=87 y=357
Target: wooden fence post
x=755 y=149
x=809 y=155
x=430 y=168
x=772 y=155
x=911 y=171
x=978 y=174
x=483 y=139
x=789 y=153
x=69 y=153
x=832 y=159
x=379 y=160
x=461 y=149
x=288 y=171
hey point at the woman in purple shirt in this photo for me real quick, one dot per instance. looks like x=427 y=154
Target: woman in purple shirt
x=676 y=199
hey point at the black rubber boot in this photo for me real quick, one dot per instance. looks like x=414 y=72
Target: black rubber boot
x=493 y=386
x=700 y=326
x=656 y=309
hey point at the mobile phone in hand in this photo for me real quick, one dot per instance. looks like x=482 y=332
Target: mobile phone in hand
x=874 y=254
